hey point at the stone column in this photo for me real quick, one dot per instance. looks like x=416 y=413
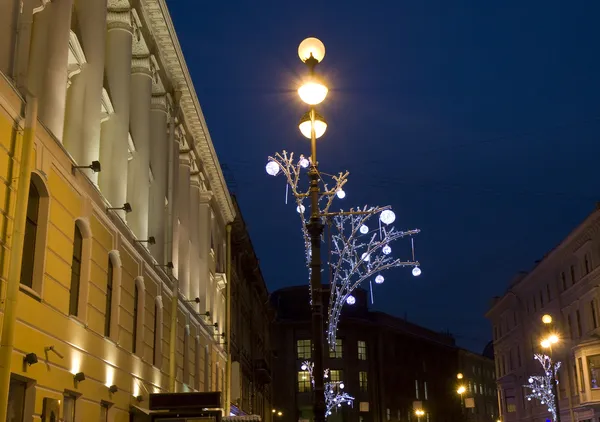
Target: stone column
x=47 y=73
x=82 y=121
x=173 y=187
x=195 y=240
x=159 y=153
x=183 y=206
x=204 y=223
x=138 y=189
x=114 y=134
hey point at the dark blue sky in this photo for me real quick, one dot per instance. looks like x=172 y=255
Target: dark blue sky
x=478 y=121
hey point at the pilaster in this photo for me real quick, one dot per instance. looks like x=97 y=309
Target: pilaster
x=195 y=281
x=184 y=224
x=204 y=229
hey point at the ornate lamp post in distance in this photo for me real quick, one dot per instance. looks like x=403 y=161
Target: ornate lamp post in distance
x=547 y=342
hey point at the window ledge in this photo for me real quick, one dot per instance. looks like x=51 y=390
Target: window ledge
x=78 y=321
x=30 y=292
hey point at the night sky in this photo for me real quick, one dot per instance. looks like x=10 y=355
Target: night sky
x=477 y=121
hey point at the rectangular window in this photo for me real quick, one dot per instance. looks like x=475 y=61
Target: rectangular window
x=75 y=272
x=109 y=295
x=136 y=299
x=587 y=264
x=103 y=412
x=425 y=393
x=594 y=366
x=303 y=382
x=417 y=389
x=578 y=317
x=336 y=353
x=31 y=226
x=541 y=299
x=510 y=360
x=594 y=318
x=534 y=305
x=519 y=355
x=581 y=380
x=336 y=375
x=574 y=386
x=16 y=400
x=548 y=292
x=388 y=414
x=362 y=350
x=572 y=274
x=303 y=348
x=563 y=280
x=69 y=408
x=362 y=380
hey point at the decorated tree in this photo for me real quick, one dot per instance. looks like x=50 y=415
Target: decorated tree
x=543 y=386
x=334 y=394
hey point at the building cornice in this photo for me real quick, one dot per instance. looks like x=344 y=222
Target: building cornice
x=157 y=17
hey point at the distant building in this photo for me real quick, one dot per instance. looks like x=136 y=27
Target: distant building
x=478 y=377
x=251 y=317
x=386 y=363
x=564 y=284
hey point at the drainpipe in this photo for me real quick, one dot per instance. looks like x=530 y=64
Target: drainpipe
x=228 y=323
x=16 y=253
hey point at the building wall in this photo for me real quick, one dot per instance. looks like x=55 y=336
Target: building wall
x=479 y=379
x=564 y=285
x=119 y=107
x=404 y=363
x=250 y=328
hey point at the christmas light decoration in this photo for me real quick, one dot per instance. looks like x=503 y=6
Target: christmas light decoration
x=334 y=396
x=356 y=254
x=541 y=386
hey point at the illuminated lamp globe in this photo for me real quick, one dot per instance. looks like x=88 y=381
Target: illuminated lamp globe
x=379 y=279
x=547 y=319
x=272 y=168
x=365 y=257
x=416 y=271
x=305 y=125
x=342 y=385
x=545 y=343
x=387 y=250
x=530 y=380
x=364 y=229
x=311 y=47
x=303 y=162
x=341 y=194
x=304 y=367
x=313 y=92
x=300 y=208
x=387 y=216
x=350 y=300
x=553 y=338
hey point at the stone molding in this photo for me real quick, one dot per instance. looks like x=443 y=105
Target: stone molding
x=141 y=65
x=119 y=20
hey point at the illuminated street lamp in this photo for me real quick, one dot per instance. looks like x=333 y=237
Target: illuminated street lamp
x=419 y=413
x=459 y=376
x=547 y=342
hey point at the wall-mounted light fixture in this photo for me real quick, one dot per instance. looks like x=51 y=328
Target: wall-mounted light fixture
x=95 y=167
x=139 y=398
x=79 y=376
x=113 y=389
x=30 y=359
x=126 y=207
x=151 y=240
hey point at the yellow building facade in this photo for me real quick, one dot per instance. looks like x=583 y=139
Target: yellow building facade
x=109 y=256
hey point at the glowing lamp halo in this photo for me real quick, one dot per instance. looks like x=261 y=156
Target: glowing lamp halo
x=313 y=92
x=311 y=47
x=272 y=168
x=387 y=217
x=350 y=300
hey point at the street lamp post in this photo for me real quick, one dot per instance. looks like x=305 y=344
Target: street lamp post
x=546 y=343
x=419 y=413
x=311 y=52
x=461 y=390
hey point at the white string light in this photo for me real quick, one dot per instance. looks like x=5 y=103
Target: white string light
x=334 y=396
x=541 y=385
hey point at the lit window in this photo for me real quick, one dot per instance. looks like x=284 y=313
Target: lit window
x=594 y=365
x=362 y=350
x=426 y=395
x=362 y=380
x=417 y=389
x=303 y=349
x=335 y=375
x=75 y=272
x=336 y=353
x=388 y=414
x=31 y=229
x=303 y=382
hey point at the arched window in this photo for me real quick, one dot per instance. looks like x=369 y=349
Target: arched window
x=136 y=297
x=109 y=297
x=31 y=229
x=75 y=272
